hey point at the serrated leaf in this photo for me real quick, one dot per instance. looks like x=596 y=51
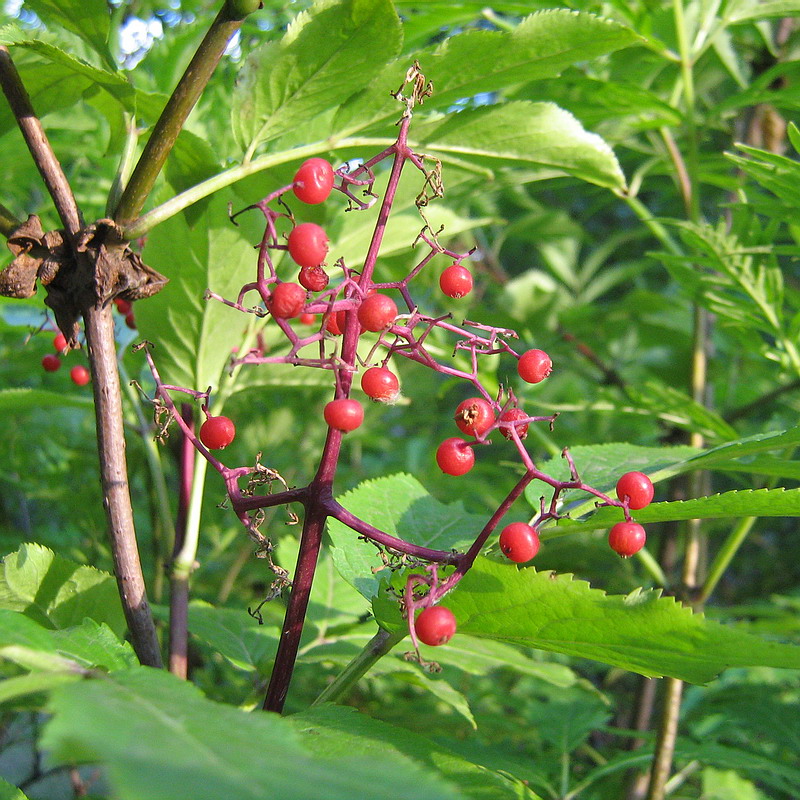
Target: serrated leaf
x=58 y=593
x=89 y=19
x=358 y=733
x=193 y=337
x=742 y=503
x=319 y=63
x=160 y=738
x=20 y=399
x=521 y=132
x=642 y=632
x=401 y=506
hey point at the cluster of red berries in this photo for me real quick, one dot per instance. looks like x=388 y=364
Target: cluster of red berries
x=476 y=417
x=519 y=542
x=79 y=374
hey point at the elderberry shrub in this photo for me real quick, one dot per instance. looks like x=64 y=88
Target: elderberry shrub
x=323 y=324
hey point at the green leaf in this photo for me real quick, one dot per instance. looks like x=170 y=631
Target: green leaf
x=33 y=683
x=522 y=132
x=194 y=337
x=743 y=503
x=89 y=19
x=748 y=10
x=9 y=792
x=318 y=64
x=541 y=46
x=19 y=399
x=161 y=739
x=235 y=635
x=642 y=632
x=339 y=731
x=401 y=506
x=58 y=593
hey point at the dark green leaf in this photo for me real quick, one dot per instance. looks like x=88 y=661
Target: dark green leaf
x=161 y=739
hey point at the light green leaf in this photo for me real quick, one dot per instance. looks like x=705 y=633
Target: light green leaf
x=89 y=19
x=541 y=46
x=642 y=632
x=161 y=739
x=318 y=64
x=744 y=503
x=748 y=10
x=401 y=506
x=58 y=593
x=522 y=132
x=339 y=731
x=9 y=792
x=194 y=337
x=33 y=683
x=20 y=399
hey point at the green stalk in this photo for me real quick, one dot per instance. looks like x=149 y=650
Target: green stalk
x=8 y=222
x=170 y=123
x=377 y=647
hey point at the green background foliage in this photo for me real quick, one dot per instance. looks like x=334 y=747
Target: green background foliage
x=617 y=167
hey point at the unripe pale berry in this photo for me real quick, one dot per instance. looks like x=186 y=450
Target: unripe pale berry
x=627 y=538
x=455 y=457
x=344 y=414
x=435 y=625
x=308 y=244
x=474 y=416
x=217 y=433
x=287 y=300
x=534 y=366
x=313 y=181
x=637 y=487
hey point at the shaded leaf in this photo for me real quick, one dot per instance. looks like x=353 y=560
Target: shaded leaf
x=160 y=739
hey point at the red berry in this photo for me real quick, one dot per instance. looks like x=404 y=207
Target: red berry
x=474 y=416
x=217 y=433
x=627 y=538
x=308 y=244
x=509 y=416
x=308 y=319
x=332 y=324
x=123 y=306
x=637 y=487
x=315 y=279
x=80 y=375
x=435 y=625
x=287 y=300
x=455 y=457
x=381 y=384
x=534 y=366
x=51 y=363
x=130 y=320
x=519 y=542
x=344 y=414
x=376 y=312
x=313 y=181
x=60 y=342
x=456 y=281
